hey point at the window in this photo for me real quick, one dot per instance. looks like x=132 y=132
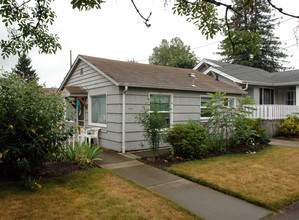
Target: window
x=266 y=96
x=291 y=98
x=230 y=102
x=71 y=110
x=203 y=101
x=163 y=105
x=98 y=112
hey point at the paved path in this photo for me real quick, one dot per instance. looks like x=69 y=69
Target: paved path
x=201 y=200
x=283 y=142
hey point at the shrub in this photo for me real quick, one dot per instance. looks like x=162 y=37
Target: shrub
x=187 y=140
x=32 y=126
x=81 y=154
x=289 y=127
x=248 y=132
x=153 y=124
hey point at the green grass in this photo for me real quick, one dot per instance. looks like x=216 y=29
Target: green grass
x=269 y=178
x=93 y=194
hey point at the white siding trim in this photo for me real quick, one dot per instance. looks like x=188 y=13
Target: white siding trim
x=212 y=69
x=99 y=71
x=90 y=109
x=204 y=61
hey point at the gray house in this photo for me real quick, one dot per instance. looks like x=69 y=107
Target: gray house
x=275 y=94
x=108 y=95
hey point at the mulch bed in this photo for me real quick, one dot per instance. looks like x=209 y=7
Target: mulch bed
x=163 y=161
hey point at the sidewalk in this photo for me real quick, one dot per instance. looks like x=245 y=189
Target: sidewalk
x=201 y=200
x=284 y=142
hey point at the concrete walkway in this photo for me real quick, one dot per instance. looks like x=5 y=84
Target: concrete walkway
x=201 y=200
x=284 y=142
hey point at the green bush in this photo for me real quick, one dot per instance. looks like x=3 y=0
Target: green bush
x=187 y=140
x=32 y=126
x=289 y=127
x=249 y=132
x=81 y=154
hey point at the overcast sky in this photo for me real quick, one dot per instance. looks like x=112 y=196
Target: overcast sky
x=117 y=32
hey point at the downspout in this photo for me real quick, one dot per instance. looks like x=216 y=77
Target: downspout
x=123 y=147
x=246 y=87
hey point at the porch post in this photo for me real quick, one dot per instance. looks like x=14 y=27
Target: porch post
x=297 y=95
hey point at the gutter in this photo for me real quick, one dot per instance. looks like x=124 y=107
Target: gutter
x=123 y=147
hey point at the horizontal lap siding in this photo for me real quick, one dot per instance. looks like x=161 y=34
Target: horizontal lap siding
x=94 y=83
x=185 y=107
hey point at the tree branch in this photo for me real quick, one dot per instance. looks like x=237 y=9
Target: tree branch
x=146 y=20
x=281 y=10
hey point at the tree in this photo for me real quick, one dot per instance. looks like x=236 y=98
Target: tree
x=240 y=48
x=33 y=127
x=27 y=22
x=24 y=70
x=175 y=54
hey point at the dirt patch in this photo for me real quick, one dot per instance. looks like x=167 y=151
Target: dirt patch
x=55 y=169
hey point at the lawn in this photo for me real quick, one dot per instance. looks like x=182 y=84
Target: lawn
x=93 y=194
x=269 y=178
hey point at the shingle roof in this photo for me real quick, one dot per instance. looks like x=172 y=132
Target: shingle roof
x=146 y=75
x=252 y=74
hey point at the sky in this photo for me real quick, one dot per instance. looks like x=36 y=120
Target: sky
x=117 y=32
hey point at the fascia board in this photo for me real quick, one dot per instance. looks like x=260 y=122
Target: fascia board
x=203 y=61
x=212 y=69
x=99 y=71
x=66 y=78
x=177 y=88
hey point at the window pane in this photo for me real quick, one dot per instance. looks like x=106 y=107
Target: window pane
x=232 y=102
x=160 y=102
x=204 y=100
x=98 y=109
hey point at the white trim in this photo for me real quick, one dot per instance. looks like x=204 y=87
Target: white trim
x=202 y=106
x=74 y=66
x=170 y=105
x=99 y=71
x=123 y=147
x=90 y=110
x=204 y=61
x=207 y=96
x=212 y=69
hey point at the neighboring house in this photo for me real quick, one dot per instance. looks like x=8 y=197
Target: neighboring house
x=109 y=94
x=275 y=94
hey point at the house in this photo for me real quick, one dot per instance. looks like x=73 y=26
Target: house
x=275 y=94
x=109 y=94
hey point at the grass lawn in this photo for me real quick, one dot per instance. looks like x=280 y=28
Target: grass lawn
x=93 y=194
x=269 y=178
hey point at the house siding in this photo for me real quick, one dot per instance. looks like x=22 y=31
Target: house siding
x=186 y=106
x=94 y=83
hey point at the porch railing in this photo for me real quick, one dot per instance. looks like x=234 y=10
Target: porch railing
x=272 y=112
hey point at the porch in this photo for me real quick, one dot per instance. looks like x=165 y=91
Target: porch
x=273 y=112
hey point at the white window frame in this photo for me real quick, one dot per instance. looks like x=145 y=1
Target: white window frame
x=287 y=97
x=170 y=106
x=90 y=109
x=207 y=96
x=202 y=106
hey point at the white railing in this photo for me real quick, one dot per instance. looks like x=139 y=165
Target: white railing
x=272 y=112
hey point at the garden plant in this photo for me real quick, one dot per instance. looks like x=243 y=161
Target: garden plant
x=82 y=154
x=32 y=127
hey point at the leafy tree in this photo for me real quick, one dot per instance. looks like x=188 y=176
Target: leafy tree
x=175 y=54
x=27 y=22
x=33 y=127
x=241 y=47
x=23 y=68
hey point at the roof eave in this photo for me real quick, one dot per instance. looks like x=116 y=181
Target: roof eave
x=241 y=92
